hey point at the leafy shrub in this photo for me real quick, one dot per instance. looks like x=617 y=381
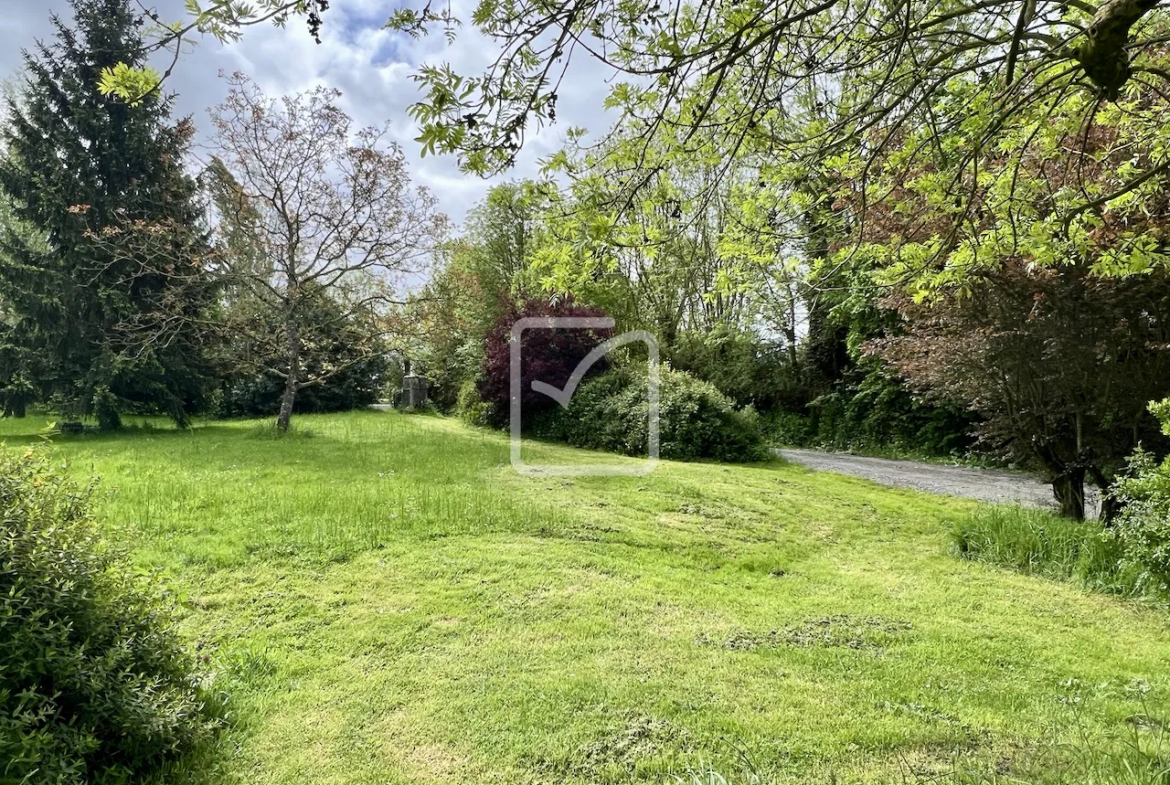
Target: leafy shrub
x=93 y=684
x=696 y=421
x=871 y=411
x=741 y=365
x=469 y=407
x=790 y=428
x=1143 y=525
x=1043 y=543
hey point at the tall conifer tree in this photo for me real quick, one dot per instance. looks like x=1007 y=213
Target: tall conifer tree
x=100 y=330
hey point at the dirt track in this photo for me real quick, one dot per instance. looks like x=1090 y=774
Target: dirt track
x=982 y=484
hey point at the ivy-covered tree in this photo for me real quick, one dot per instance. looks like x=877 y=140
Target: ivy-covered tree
x=96 y=325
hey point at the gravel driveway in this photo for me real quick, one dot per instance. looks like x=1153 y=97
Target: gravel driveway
x=982 y=484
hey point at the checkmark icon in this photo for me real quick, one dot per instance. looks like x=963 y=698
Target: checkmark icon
x=563 y=397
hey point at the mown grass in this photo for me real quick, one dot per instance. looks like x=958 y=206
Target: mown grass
x=386 y=601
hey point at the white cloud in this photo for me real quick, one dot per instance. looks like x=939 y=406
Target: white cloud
x=370 y=65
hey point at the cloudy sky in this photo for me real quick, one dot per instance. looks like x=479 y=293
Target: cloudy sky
x=371 y=66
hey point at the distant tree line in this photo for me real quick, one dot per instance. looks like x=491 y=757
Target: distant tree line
x=130 y=282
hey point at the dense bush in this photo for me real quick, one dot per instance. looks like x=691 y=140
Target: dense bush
x=93 y=684
x=1143 y=525
x=1142 y=494
x=258 y=395
x=696 y=421
x=469 y=407
x=743 y=367
x=870 y=411
x=1041 y=542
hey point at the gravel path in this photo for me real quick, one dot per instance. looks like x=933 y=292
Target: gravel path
x=982 y=484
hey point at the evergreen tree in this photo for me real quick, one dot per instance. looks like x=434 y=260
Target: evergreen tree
x=102 y=330
x=17 y=364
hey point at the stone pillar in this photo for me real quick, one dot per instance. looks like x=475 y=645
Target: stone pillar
x=414 y=392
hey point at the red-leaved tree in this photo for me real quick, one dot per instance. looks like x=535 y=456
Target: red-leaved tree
x=1060 y=365
x=547 y=355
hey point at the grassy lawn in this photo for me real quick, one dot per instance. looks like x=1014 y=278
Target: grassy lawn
x=388 y=602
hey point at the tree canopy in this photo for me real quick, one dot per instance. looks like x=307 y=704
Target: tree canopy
x=818 y=97
x=85 y=324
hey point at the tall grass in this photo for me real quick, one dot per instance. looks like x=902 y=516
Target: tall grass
x=332 y=486
x=1138 y=755
x=1041 y=543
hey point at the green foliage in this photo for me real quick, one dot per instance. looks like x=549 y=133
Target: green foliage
x=696 y=421
x=222 y=20
x=789 y=428
x=479 y=276
x=342 y=355
x=133 y=85
x=98 y=326
x=740 y=365
x=94 y=687
x=470 y=408
x=869 y=410
x=1143 y=526
x=1043 y=543
x=1066 y=153
x=937 y=116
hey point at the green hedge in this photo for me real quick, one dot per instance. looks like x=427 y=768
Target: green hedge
x=696 y=421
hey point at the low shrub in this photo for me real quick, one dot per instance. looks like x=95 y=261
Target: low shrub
x=1143 y=524
x=1141 y=494
x=469 y=408
x=696 y=421
x=1043 y=543
x=94 y=687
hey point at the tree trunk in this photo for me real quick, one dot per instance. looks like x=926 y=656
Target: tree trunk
x=1069 y=490
x=292 y=381
x=1110 y=508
